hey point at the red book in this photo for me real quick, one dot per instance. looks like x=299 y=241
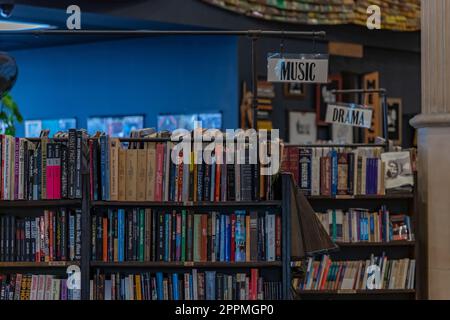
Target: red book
x=37 y=254
x=218 y=181
x=325 y=275
x=105 y=238
x=50 y=235
x=325 y=176
x=294 y=156
x=233 y=238
x=180 y=179
x=57 y=173
x=159 y=172
x=2 y=137
x=204 y=237
x=278 y=238
x=253 y=294
x=16 y=165
x=285 y=164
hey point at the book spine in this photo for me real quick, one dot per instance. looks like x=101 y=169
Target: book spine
x=305 y=163
x=72 y=154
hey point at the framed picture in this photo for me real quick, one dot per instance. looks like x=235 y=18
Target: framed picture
x=171 y=122
x=342 y=134
x=295 y=90
x=394 y=115
x=324 y=97
x=33 y=128
x=115 y=126
x=302 y=128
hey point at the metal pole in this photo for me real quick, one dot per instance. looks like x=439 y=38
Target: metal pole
x=385 y=120
x=254 y=82
x=249 y=33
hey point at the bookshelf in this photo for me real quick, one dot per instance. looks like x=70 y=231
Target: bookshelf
x=397 y=202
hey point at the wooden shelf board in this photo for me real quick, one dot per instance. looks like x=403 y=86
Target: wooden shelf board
x=39 y=203
x=376 y=244
x=53 y=264
x=393 y=196
x=135 y=264
x=356 y=292
x=185 y=204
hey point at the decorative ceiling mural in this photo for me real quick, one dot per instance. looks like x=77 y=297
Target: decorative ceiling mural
x=399 y=15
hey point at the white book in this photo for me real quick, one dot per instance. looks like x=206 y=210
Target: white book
x=271 y=237
x=108 y=290
x=48 y=289
x=347 y=282
x=91 y=290
x=56 y=286
x=41 y=288
x=315 y=177
x=34 y=287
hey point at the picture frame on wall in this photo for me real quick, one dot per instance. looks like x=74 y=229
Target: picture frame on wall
x=394 y=117
x=325 y=97
x=301 y=127
x=342 y=134
x=295 y=90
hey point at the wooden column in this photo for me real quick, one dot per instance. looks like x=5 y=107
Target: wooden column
x=433 y=126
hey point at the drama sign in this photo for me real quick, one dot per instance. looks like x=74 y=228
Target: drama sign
x=349 y=115
x=297 y=68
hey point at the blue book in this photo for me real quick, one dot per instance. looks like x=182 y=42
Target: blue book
x=240 y=236
x=217 y=244
x=334 y=172
x=227 y=238
x=210 y=285
x=120 y=236
x=372 y=225
x=166 y=237
x=176 y=294
x=191 y=287
x=159 y=286
x=222 y=237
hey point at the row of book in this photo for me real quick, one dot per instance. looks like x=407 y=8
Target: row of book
x=357 y=275
x=44 y=169
x=359 y=225
x=146 y=172
x=53 y=236
x=154 y=235
x=336 y=171
x=35 y=287
x=208 y=285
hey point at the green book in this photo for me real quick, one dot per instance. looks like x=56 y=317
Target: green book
x=197 y=236
x=141 y=234
x=183 y=235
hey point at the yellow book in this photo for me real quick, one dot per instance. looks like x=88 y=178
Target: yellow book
x=131 y=174
x=122 y=174
x=151 y=172
x=141 y=174
x=137 y=281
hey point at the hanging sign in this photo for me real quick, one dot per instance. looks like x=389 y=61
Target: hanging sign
x=349 y=115
x=297 y=68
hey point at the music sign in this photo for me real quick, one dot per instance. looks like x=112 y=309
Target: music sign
x=297 y=68
x=349 y=115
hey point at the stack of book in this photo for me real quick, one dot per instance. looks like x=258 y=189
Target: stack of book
x=53 y=236
x=146 y=172
x=208 y=285
x=35 y=287
x=336 y=171
x=357 y=275
x=179 y=236
x=43 y=170
x=361 y=225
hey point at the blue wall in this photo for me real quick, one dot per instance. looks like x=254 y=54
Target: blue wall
x=139 y=76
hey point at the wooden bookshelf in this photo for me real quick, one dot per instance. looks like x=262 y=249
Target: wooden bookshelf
x=393 y=196
x=40 y=265
x=40 y=203
x=356 y=292
x=376 y=244
x=158 y=265
x=189 y=204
